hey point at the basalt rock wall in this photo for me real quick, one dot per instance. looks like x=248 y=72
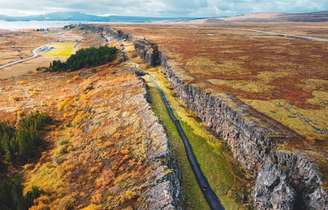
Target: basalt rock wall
x=166 y=190
x=284 y=180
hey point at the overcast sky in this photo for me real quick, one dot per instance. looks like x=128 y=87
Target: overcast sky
x=160 y=7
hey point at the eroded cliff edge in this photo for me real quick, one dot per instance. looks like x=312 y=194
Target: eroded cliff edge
x=284 y=179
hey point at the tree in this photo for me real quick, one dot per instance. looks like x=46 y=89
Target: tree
x=11 y=194
x=85 y=58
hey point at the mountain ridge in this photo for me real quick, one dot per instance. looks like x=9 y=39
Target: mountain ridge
x=279 y=17
x=78 y=16
x=257 y=17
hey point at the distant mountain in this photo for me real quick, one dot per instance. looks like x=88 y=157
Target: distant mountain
x=77 y=16
x=306 y=17
x=279 y=17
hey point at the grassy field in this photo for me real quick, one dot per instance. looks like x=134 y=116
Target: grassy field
x=61 y=50
x=225 y=178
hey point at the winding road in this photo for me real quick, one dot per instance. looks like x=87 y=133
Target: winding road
x=35 y=53
x=210 y=196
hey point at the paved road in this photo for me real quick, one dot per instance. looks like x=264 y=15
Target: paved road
x=35 y=53
x=212 y=200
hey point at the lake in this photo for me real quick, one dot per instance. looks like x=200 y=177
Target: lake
x=17 y=25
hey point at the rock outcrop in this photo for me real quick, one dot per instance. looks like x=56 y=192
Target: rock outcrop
x=148 y=52
x=284 y=180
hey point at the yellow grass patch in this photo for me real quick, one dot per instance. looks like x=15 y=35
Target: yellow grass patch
x=268 y=76
x=303 y=121
x=255 y=86
x=61 y=50
x=205 y=66
x=46 y=177
x=319 y=98
x=314 y=84
x=92 y=207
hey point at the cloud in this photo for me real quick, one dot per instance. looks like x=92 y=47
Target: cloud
x=160 y=7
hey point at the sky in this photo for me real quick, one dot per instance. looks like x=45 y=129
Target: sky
x=165 y=8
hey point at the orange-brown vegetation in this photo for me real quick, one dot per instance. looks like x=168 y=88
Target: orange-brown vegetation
x=236 y=56
x=97 y=156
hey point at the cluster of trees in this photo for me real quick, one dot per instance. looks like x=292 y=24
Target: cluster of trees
x=7 y=144
x=12 y=197
x=18 y=145
x=21 y=144
x=84 y=58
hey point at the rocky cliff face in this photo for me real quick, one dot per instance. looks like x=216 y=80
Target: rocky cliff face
x=148 y=52
x=289 y=181
x=284 y=180
x=165 y=192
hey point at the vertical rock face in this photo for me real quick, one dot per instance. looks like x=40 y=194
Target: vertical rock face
x=148 y=52
x=290 y=182
x=283 y=180
x=165 y=193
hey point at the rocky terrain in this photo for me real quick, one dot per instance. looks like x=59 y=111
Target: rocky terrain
x=288 y=176
x=106 y=149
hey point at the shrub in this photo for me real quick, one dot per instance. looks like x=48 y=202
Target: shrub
x=84 y=58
